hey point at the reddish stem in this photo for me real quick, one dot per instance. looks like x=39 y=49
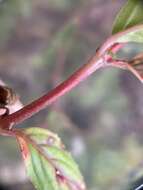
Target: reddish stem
x=101 y=59
x=37 y=105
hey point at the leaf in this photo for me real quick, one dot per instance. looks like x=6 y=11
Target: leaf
x=132 y=36
x=47 y=163
x=131 y=14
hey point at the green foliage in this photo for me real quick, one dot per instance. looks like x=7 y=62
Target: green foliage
x=48 y=165
x=131 y=14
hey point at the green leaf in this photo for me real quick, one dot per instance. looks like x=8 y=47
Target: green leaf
x=131 y=14
x=132 y=36
x=48 y=165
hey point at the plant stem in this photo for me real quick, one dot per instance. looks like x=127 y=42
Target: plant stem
x=102 y=58
x=41 y=103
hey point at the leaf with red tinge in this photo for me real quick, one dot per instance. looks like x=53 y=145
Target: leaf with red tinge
x=48 y=165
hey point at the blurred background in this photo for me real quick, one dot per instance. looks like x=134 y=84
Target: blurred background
x=42 y=42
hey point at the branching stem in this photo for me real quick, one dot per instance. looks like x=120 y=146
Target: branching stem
x=102 y=58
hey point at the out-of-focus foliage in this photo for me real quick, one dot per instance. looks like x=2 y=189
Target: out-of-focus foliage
x=100 y=121
x=10 y=11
